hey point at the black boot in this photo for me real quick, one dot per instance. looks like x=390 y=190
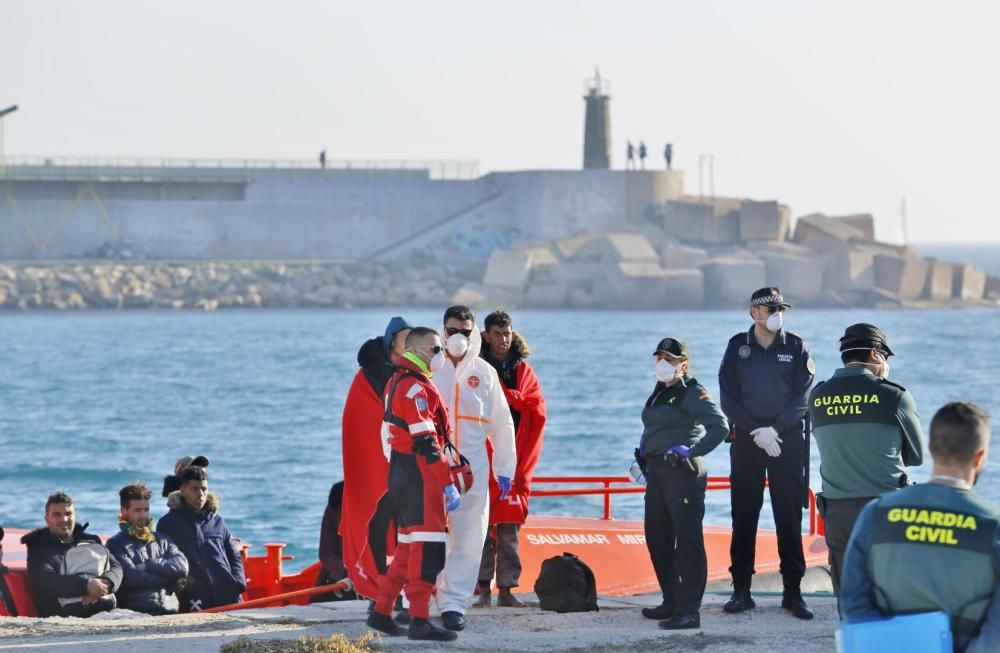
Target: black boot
x=384 y=624
x=681 y=622
x=791 y=600
x=424 y=629
x=741 y=600
x=453 y=620
x=402 y=616
x=662 y=611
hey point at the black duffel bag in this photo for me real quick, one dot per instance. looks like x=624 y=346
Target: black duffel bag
x=566 y=584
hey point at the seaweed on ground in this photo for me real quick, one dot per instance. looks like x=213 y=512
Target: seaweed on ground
x=338 y=643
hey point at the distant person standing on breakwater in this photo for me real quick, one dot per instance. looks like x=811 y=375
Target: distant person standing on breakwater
x=366 y=468
x=934 y=546
x=629 y=156
x=642 y=154
x=867 y=430
x=764 y=380
x=681 y=424
x=480 y=417
x=507 y=351
x=668 y=154
x=322 y=160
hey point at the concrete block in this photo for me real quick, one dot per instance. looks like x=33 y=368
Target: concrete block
x=939 y=280
x=575 y=274
x=676 y=256
x=508 y=269
x=763 y=221
x=639 y=285
x=968 y=283
x=761 y=247
x=903 y=277
x=992 y=287
x=617 y=247
x=863 y=222
x=849 y=269
x=546 y=295
x=798 y=277
x=685 y=289
x=731 y=280
x=824 y=234
x=567 y=247
x=721 y=229
x=684 y=220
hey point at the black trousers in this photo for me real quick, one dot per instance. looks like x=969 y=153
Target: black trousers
x=675 y=508
x=749 y=466
x=839 y=516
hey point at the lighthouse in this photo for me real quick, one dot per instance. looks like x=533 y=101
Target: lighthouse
x=597 y=124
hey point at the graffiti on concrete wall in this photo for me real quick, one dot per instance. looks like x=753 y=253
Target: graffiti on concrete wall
x=478 y=240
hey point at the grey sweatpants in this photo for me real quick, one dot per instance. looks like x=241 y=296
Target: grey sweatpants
x=500 y=556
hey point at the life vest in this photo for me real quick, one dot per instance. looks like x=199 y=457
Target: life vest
x=18 y=586
x=932 y=549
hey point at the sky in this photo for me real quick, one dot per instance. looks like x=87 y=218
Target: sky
x=839 y=107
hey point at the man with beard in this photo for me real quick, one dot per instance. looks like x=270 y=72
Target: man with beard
x=507 y=351
x=365 y=466
x=933 y=546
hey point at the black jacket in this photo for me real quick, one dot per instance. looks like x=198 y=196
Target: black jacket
x=148 y=590
x=60 y=572
x=376 y=367
x=216 y=567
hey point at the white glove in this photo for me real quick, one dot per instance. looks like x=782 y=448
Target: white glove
x=767 y=439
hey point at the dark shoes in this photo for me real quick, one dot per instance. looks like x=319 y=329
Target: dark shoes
x=741 y=600
x=424 y=629
x=453 y=620
x=507 y=600
x=659 y=612
x=402 y=617
x=384 y=624
x=792 y=601
x=681 y=622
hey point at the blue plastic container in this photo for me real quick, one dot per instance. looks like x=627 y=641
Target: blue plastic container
x=928 y=632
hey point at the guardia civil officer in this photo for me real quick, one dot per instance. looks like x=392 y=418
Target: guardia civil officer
x=867 y=429
x=764 y=380
x=681 y=424
x=933 y=546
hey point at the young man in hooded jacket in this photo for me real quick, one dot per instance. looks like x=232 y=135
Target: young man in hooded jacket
x=217 y=576
x=477 y=405
x=73 y=574
x=153 y=565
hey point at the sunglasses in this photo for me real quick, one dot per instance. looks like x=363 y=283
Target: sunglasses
x=775 y=309
x=452 y=331
x=436 y=349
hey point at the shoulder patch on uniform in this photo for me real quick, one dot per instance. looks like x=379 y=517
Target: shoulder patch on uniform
x=421 y=403
x=811 y=365
x=412 y=392
x=744 y=351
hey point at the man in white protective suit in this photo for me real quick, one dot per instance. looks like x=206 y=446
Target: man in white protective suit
x=477 y=407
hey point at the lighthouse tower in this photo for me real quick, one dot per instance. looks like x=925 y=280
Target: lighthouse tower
x=597 y=124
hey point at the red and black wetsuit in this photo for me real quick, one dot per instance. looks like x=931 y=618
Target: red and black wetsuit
x=418 y=473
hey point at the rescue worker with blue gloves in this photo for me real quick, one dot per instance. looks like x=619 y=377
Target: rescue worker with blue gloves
x=764 y=381
x=933 y=546
x=681 y=424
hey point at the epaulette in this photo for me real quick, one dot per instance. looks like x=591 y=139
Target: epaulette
x=892 y=383
x=795 y=335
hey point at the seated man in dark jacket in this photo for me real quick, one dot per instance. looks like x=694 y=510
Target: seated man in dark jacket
x=153 y=564
x=72 y=573
x=216 y=568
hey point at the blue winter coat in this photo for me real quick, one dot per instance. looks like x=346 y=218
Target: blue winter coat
x=216 y=567
x=147 y=590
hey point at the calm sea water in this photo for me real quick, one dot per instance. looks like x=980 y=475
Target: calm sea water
x=92 y=401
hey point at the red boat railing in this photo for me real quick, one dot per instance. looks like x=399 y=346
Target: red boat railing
x=714 y=483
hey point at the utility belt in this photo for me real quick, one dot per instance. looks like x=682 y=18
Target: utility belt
x=671 y=460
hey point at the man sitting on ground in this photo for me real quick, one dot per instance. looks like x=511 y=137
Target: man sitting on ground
x=216 y=567
x=153 y=565
x=73 y=574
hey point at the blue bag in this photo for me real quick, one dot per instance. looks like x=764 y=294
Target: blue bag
x=927 y=632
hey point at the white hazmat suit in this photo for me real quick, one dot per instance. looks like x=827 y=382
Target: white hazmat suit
x=477 y=408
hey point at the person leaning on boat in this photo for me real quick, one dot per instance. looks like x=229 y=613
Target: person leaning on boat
x=934 y=546
x=867 y=429
x=681 y=424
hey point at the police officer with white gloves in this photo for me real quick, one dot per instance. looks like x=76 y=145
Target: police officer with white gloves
x=764 y=381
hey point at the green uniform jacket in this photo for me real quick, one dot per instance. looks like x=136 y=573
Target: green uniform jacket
x=685 y=414
x=927 y=547
x=867 y=430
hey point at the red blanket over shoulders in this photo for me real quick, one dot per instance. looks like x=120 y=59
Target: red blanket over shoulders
x=528 y=400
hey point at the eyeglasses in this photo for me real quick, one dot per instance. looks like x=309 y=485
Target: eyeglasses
x=436 y=349
x=452 y=331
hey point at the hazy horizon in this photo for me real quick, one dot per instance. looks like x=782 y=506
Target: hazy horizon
x=837 y=107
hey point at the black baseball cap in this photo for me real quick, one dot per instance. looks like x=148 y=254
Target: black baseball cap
x=768 y=297
x=1 y=534
x=865 y=335
x=674 y=347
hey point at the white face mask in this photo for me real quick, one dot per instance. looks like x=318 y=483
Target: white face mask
x=458 y=344
x=665 y=371
x=880 y=370
x=775 y=321
x=437 y=362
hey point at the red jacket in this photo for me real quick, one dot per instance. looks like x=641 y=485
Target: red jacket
x=527 y=399
x=18 y=590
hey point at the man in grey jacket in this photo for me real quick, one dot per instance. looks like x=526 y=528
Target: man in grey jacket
x=154 y=567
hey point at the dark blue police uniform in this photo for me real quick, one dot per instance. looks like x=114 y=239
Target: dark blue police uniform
x=760 y=388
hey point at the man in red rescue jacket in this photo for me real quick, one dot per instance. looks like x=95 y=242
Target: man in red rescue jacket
x=415 y=433
x=506 y=351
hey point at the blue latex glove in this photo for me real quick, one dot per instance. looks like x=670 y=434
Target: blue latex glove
x=681 y=450
x=451 y=493
x=504 y=484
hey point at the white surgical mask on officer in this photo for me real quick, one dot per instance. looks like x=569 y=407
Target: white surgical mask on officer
x=665 y=370
x=881 y=369
x=775 y=321
x=458 y=344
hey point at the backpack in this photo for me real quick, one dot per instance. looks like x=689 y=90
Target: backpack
x=566 y=584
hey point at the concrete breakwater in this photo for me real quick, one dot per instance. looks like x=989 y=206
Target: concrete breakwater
x=214 y=285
